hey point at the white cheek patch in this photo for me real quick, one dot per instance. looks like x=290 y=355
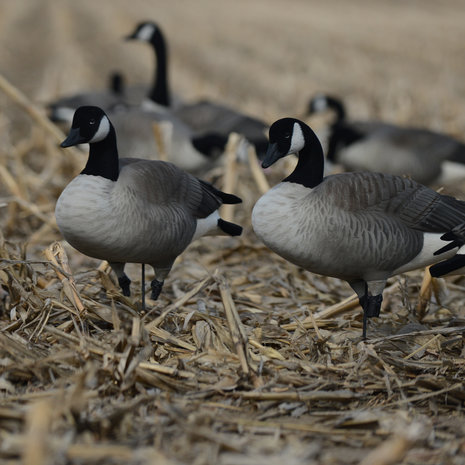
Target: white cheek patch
x=102 y=131
x=320 y=103
x=297 y=140
x=146 y=31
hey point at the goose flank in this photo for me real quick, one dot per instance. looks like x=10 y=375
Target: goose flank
x=134 y=210
x=360 y=227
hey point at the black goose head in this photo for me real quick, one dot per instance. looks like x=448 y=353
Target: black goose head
x=146 y=31
x=90 y=125
x=286 y=136
x=322 y=102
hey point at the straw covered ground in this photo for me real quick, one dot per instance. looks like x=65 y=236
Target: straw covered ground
x=245 y=359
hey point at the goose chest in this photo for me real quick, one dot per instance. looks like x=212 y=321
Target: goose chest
x=102 y=220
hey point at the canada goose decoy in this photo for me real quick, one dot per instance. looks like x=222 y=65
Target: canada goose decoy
x=134 y=210
x=359 y=227
x=426 y=156
x=204 y=116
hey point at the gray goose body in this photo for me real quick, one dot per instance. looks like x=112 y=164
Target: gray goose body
x=426 y=156
x=360 y=227
x=210 y=117
x=134 y=210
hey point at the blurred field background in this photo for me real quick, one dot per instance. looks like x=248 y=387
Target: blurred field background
x=245 y=359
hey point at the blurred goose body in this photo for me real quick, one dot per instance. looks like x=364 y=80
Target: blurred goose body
x=359 y=227
x=425 y=156
x=136 y=138
x=133 y=210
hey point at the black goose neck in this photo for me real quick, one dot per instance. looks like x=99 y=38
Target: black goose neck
x=341 y=135
x=338 y=107
x=309 y=169
x=103 y=158
x=159 y=92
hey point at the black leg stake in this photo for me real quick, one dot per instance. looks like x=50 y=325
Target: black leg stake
x=143 y=286
x=365 y=321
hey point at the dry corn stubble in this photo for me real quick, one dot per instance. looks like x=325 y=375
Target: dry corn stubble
x=244 y=358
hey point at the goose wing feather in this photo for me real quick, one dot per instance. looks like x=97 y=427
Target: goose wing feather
x=161 y=183
x=415 y=205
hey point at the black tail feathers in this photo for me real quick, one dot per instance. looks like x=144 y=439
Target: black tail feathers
x=225 y=198
x=447 y=266
x=456 y=236
x=229 y=228
x=228 y=198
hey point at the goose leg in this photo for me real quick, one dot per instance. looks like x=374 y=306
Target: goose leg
x=157 y=283
x=156 y=288
x=370 y=296
x=123 y=281
x=371 y=305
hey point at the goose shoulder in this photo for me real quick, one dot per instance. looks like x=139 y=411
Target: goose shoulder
x=164 y=185
x=399 y=199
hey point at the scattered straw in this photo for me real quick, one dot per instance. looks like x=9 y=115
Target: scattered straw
x=244 y=359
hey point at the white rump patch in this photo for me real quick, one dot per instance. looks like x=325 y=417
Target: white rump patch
x=451 y=172
x=207 y=226
x=320 y=103
x=297 y=140
x=102 y=131
x=431 y=243
x=146 y=32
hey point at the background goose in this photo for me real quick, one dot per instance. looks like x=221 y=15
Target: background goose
x=117 y=94
x=360 y=227
x=133 y=210
x=203 y=116
x=426 y=156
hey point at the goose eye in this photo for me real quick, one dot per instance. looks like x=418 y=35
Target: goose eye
x=287 y=136
x=92 y=121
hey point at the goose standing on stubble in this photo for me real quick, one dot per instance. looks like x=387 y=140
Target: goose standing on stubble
x=133 y=210
x=359 y=227
x=426 y=156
